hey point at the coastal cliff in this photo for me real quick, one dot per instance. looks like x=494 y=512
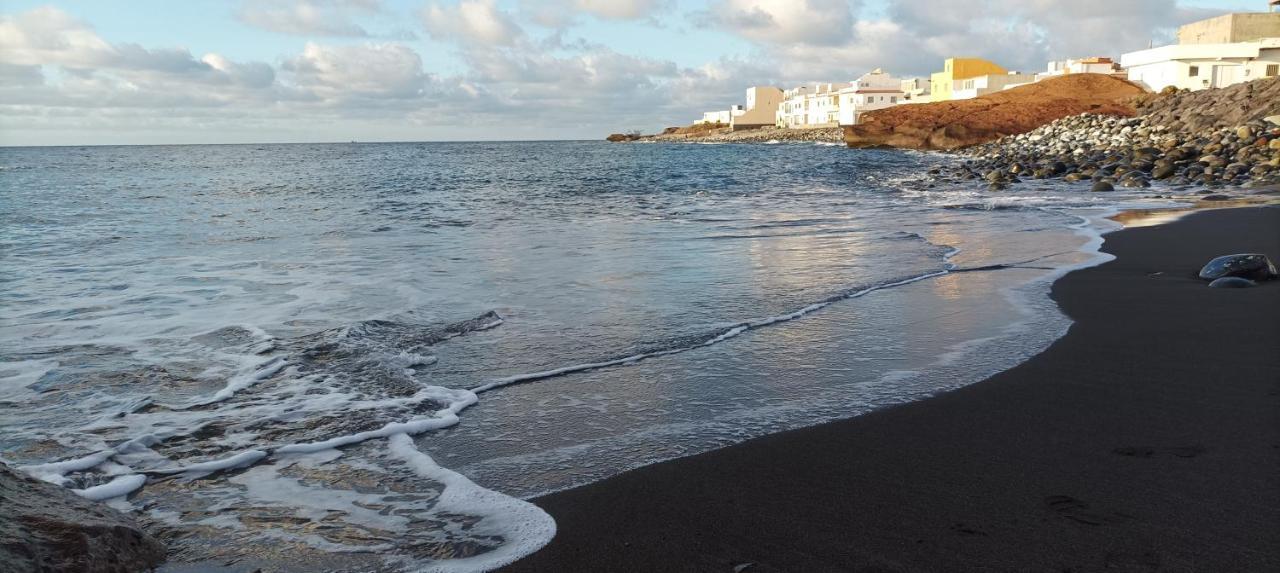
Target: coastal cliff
x=44 y=527
x=954 y=124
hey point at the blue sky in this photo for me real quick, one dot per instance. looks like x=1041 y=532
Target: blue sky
x=214 y=71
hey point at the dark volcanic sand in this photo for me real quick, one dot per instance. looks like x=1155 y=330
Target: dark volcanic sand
x=1147 y=438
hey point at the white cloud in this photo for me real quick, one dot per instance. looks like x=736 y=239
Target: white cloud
x=815 y=22
x=471 y=22
x=47 y=35
x=336 y=73
x=308 y=17
x=619 y=9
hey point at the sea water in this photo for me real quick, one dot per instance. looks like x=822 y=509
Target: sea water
x=365 y=356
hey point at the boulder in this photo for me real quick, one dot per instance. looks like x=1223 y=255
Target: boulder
x=1232 y=282
x=1253 y=266
x=47 y=528
x=1163 y=171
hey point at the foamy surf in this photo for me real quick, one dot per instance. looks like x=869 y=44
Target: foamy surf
x=233 y=395
x=288 y=420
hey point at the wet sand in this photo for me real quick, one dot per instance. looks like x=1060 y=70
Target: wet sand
x=1147 y=438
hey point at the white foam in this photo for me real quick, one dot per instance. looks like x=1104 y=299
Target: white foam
x=456 y=400
x=235 y=384
x=524 y=527
x=53 y=472
x=239 y=460
x=118 y=487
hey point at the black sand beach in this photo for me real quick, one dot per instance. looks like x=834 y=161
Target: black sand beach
x=1147 y=438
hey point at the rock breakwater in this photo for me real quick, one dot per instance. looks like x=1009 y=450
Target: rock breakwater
x=758 y=135
x=1213 y=140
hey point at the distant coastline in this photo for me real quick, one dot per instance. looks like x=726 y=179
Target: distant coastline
x=767 y=134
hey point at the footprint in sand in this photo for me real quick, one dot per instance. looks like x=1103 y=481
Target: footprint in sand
x=1080 y=512
x=1151 y=452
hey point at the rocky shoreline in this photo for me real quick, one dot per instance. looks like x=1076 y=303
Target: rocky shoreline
x=1207 y=142
x=727 y=135
x=45 y=527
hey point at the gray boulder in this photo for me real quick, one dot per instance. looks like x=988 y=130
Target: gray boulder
x=1252 y=266
x=47 y=528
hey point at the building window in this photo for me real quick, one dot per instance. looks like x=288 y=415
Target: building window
x=1273 y=70
x=1194 y=71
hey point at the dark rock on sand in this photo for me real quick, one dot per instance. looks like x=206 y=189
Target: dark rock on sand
x=1250 y=266
x=1232 y=282
x=49 y=529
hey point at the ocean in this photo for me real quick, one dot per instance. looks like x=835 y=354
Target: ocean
x=366 y=356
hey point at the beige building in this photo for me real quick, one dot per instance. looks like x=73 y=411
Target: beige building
x=761 y=109
x=1231 y=29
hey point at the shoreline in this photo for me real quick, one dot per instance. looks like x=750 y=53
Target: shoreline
x=1113 y=448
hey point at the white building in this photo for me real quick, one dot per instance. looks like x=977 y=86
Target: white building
x=761 y=109
x=723 y=117
x=793 y=111
x=1212 y=53
x=990 y=83
x=915 y=90
x=811 y=106
x=1200 y=66
x=824 y=105
x=874 y=90
x=1094 y=65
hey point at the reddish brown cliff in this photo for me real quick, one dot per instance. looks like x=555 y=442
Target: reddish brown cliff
x=955 y=124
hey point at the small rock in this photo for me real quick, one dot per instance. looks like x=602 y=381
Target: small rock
x=1232 y=282
x=1247 y=265
x=1216 y=197
x=1102 y=187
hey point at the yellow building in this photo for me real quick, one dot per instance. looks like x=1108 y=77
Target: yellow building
x=940 y=83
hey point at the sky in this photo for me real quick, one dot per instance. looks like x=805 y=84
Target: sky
x=228 y=71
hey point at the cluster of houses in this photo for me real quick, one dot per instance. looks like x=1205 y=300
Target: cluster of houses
x=1213 y=53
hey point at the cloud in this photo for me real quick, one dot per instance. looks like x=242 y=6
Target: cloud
x=337 y=73
x=308 y=17
x=47 y=35
x=533 y=65
x=619 y=9
x=471 y=22
x=813 y=22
